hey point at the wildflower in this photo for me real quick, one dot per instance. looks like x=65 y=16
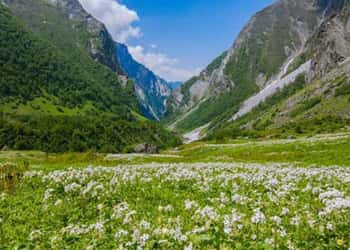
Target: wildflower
x=120 y=234
x=34 y=235
x=277 y=220
x=285 y=211
x=258 y=217
x=295 y=221
x=227 y=225
x=340 y=242
x=282 y=233
x=190 y=204
x=145 y=224
x=269 y=241
x=329 y=226
x=236 y=198
x=189 y=247
x=72 y=187
x=58 y=203
x=331 y=194
x=168 y=208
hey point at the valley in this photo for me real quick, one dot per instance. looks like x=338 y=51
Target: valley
x=104 y=145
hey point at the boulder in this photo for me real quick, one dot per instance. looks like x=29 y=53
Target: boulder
x=145 y=148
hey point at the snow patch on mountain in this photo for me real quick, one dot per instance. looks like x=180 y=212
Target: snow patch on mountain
x=271 y=89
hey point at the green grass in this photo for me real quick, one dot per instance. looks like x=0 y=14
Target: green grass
x=49 y=209
x=325 y=150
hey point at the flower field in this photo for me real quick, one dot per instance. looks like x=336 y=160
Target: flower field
x=179 y=206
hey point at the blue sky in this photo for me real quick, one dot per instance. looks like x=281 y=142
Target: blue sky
x=175 y=38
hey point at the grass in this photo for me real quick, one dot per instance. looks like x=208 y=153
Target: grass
x=326 y=150
x=210 y=206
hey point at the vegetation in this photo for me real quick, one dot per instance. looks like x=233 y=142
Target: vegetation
x=53 y=102
x=343 y=90
x=61 y=203
x=215 y=64
x=308 y=116
x=80 y=133
x=31 y=67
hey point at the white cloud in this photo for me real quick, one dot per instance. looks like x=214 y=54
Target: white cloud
x=117 y=18
x=164 y=66
x=119 y=21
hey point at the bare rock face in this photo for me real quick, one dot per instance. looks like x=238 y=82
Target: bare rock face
x=330 y=45
x=100 y=45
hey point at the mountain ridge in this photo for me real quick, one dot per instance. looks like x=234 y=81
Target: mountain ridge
x=151 y=90
x=276 y=42
x=55 y=95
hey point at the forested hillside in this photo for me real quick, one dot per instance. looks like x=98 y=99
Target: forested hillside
x=48 y=97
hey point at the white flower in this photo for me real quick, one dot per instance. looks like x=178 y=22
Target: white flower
x=120 y=234
x=72 y=187
x=189 y=247
x=145 y=225
x=258 y=217
x=331 y=194
x=337 y=204
x=329 y=226
x=269 y=241
x=58 y=203
x=190 y=204
x=282 y=233
x=277 y=220
x=227 y=224
x=168 y=208
x=285 y=211
x=295 y=221
x=34 y=235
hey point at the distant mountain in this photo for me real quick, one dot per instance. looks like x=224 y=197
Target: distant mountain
x=287 y=71
x=151 y=90
x=61 y=86
x=174 y=85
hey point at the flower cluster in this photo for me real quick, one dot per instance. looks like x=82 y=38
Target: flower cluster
x=189 y=206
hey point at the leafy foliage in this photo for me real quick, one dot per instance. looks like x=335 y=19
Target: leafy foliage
x=80 y=133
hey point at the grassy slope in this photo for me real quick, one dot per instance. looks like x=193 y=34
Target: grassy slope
x=320 y=107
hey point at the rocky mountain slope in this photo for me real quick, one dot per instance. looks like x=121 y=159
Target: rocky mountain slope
x=287 y=39
x=60 y=87
x=151 y=90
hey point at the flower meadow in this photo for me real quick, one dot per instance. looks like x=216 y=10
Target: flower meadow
x=179 y=206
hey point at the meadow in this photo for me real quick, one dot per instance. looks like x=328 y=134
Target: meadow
x=244 y=194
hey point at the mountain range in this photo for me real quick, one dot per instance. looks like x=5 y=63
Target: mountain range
x=66 y=85
x=286 y=73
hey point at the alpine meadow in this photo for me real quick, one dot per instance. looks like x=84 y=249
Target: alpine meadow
x=114 y=136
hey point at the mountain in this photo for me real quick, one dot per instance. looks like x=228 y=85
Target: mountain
x=151 y=90
x=60 y=85
x=281 y=75
x=174 y=85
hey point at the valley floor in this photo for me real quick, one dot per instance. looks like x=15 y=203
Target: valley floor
x=245 y=194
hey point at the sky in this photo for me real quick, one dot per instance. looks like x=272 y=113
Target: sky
x=175 y=38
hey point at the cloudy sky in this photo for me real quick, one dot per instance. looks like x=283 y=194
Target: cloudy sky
x=174 y=38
